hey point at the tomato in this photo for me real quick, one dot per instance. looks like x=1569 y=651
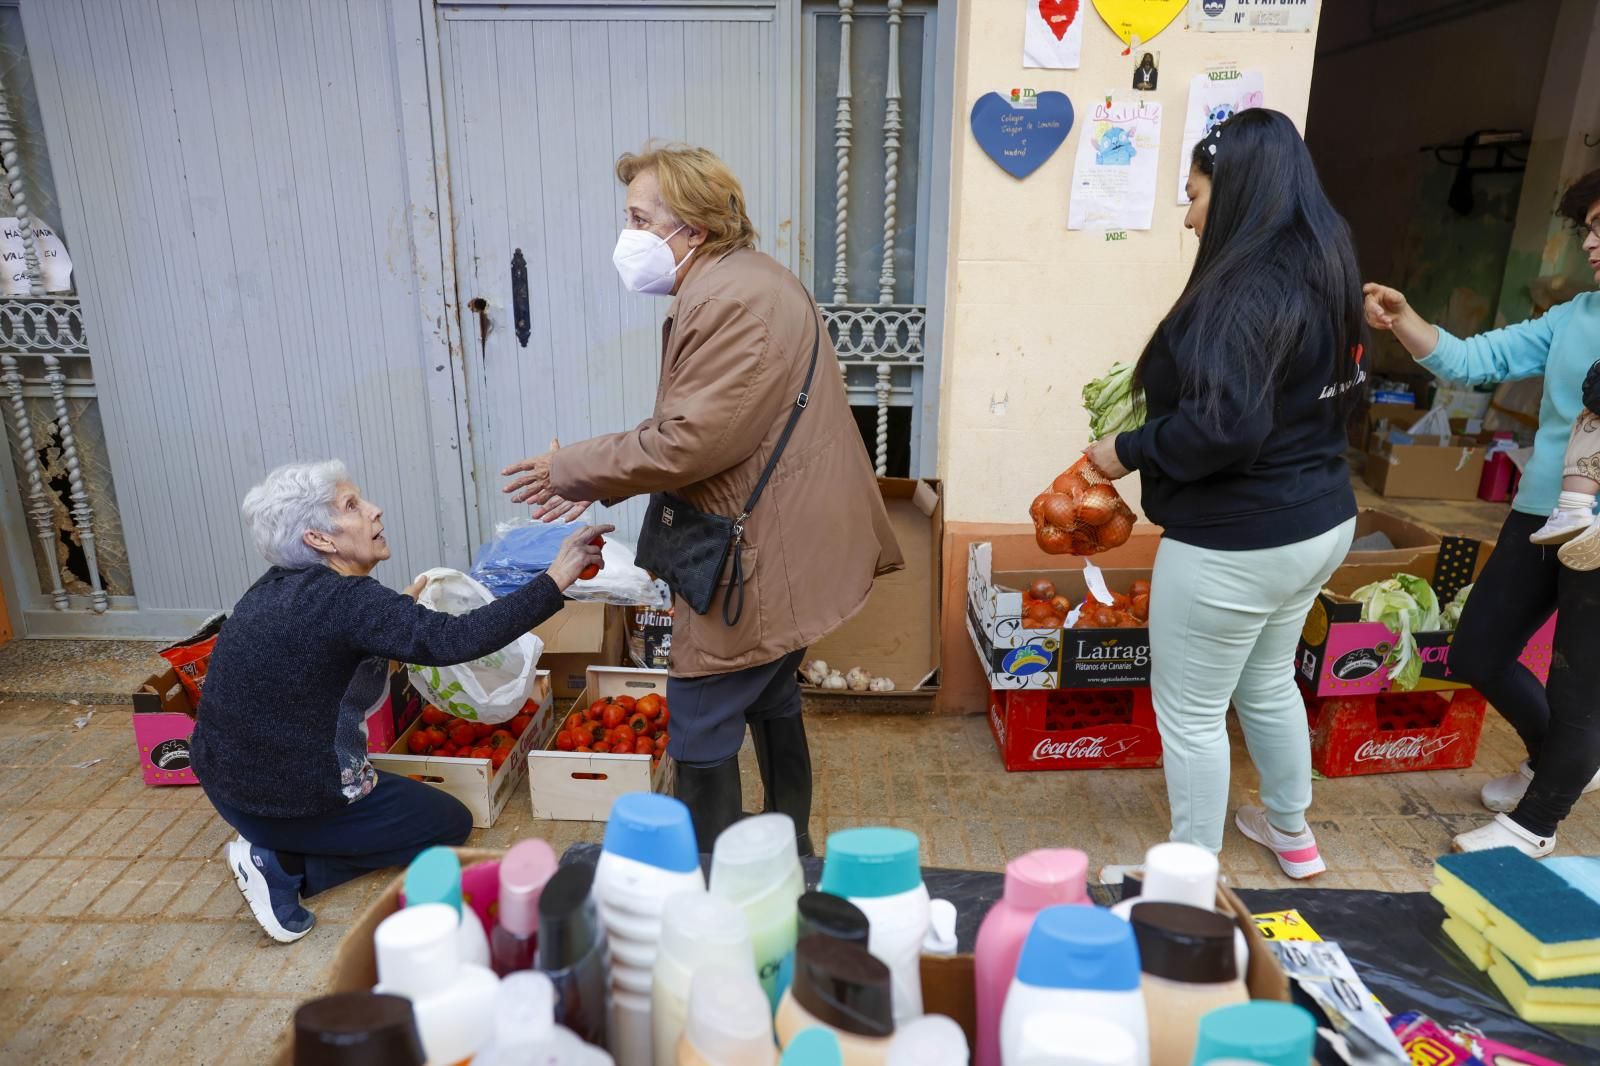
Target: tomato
x=593 y=570
x=437 y=737
x=614 y=716
x=432 y=715
x=596 y=732
x=462 y=734
x=661 y=744
x=628 y=704
x=502 y=738
x=602 y=747
x=418 y=744
x=499 y=757
x=650 y=705
x=482 y=751
x=584 y=748
x=566 y=741
x=482 y=730
x=1042 y=590
x=622 y=747
x=619 y=734
x=573 y=721
x=661 y=719
x=598 y=708
x=639 y=723
x=520 y=724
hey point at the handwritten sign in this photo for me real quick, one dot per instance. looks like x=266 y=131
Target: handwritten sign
x=55 y=266
x=1239 y=16
x=1017 y=138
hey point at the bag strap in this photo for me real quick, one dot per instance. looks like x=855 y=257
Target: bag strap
x=733 y=610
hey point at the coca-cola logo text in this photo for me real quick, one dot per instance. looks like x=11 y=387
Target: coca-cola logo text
x=1081 y=748
x=1411 y=747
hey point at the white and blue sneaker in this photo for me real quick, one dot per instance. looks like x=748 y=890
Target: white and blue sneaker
x=272 y=893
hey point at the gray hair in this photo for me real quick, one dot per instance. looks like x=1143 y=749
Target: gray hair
x=292 y=500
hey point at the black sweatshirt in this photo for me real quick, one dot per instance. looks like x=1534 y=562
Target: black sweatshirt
x=1271 y=473
x=281 y=731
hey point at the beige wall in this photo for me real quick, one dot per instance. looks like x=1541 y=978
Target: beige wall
x=1035 y=311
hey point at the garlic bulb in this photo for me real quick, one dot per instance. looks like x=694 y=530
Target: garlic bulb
x=881 y=684
x=816 y=671
x=834 y=680
x=858 y=679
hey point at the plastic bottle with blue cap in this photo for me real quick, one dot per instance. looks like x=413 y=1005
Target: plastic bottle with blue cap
x=525 y=1032
x=1077 y=960
x=813 y=1047
x=648 y=856
x=1262 y=1031
x=755 y=865
x=1074 y=1040
x=418 y=957
x=434 y=876
x=698 y=932
x=880 y=871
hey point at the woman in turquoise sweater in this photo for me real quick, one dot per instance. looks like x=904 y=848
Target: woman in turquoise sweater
x=1523 y=582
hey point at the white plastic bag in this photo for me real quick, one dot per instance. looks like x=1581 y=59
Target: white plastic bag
x=620 y=581
x=491 y=689
x=1436 y=423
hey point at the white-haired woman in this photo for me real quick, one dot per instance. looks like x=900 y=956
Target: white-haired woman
x=281 y=746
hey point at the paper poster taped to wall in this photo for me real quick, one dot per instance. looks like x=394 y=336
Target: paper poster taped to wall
x=1214 y=97
x=1053 y=33
x=1242 y=16
x=1115 y=175
x=55 y=266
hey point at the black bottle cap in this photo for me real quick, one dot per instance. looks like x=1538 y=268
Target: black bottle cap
x=842 y=986
x=824 y=914
x=569 y=925
x=1183 y=943
x=357 y=1029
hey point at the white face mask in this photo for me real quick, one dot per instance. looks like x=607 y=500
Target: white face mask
x=645 y=261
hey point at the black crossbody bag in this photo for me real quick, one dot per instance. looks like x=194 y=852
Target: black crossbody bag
x=688 y=548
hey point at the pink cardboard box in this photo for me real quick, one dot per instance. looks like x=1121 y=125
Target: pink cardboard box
x=162 y=724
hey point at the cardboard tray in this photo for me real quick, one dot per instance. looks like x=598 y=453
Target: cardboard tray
x=581 y=635
x=162 y=724
x=577 y=786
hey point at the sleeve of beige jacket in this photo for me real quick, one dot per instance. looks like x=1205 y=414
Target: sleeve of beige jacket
x=718 y=403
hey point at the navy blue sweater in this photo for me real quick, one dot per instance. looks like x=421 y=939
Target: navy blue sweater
x=281 y=731
x=1271 y=473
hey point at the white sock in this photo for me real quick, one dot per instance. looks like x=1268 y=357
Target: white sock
x=1582 y=502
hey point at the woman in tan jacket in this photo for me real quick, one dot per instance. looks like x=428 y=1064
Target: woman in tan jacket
x=736 y=348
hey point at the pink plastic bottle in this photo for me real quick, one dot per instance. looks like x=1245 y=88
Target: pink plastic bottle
x=1039 y=879
x=523 y=873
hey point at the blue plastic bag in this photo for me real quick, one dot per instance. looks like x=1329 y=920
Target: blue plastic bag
x=519 y=553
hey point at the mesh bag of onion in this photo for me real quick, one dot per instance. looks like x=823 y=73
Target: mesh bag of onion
x=1080 y=513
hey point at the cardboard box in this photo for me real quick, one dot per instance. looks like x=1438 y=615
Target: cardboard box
x=896 y=634
x=1383 y=416
x=581 y=635
x=650 y=637
x=475 y=782
x=1435 y=471
x=577 y=786
x=1075 y=729
x=1395 y=732
x=1414 y=545
x=1018 y=657
x=162 y=724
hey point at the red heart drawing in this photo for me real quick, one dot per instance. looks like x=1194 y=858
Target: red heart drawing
x=1058 y=15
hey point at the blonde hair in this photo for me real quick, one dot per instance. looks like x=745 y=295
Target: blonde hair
x=699 y=188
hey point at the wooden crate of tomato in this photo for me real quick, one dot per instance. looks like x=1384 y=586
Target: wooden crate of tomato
x=612 y=740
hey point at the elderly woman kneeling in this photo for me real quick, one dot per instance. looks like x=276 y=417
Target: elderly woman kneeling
x=280 y=745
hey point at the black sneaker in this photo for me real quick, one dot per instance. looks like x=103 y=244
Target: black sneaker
x=272 y=893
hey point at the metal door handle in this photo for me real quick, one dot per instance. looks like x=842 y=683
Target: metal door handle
x=519 y=298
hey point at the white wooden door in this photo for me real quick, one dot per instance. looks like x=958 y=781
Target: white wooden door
x=539 y=101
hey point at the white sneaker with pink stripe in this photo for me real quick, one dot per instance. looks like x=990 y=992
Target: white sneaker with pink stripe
x=1297 y=852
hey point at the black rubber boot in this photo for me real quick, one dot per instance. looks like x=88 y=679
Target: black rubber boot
x=713 y=797
x=785 y=762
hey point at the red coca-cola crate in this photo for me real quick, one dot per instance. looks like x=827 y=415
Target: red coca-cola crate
x=1075 y=729
x=1394 y=732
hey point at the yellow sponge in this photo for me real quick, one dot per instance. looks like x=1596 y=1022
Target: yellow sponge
x=1469 y=940
x=1534 y=916
x=1568 y=1001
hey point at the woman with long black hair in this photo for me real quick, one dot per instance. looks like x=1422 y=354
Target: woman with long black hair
x=1247 y=382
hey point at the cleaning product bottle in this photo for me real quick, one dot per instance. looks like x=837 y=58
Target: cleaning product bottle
x=524 y=871
x=434 y=876
x=813 y=1047
x=879 y=870
x=842 y=988
x=827 y=915
x=357 y=1029
x=754 y=864
x=1272 y=1034
x=573 y=952
x=525 y=1032
x=1074 y=1040
x=1079 y=960
x=931 y=1040
x=418 y=957
x=1186 y=954
x=728 y=1021
x=1182 y=873
x=649 y=854
x=698 y=932
x=1048 y=877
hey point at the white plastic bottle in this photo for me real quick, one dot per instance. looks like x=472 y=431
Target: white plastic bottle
x=454 y=1001
x=755 y=865
x=1076 y=960
x=649 y=855
x=728 y=1021
x=434 y=876
x=880 y=871
x=1074 y=1040
x=1182 y=873
x=525 y=1032
x=931 y=1040
x=698 y=932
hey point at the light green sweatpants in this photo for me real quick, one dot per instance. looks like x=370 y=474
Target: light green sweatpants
x=1224 y=625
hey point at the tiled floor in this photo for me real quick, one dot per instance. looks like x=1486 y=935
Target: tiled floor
x=123 y=939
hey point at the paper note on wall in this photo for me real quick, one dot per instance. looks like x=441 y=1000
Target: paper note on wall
x=13 y=259
x=1052 y=35
x=1215 y=96
x=54 y=263
x=1114 y=178
x=55 y=266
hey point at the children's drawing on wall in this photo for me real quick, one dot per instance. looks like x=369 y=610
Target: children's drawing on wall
x=1114 y=177
x=1146 y=72
x=1215 y=96
x=1052 y=35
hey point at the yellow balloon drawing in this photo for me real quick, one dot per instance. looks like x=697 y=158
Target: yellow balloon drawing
x=1139 y=18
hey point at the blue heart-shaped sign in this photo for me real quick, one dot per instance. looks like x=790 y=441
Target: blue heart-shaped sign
x=1018 y=138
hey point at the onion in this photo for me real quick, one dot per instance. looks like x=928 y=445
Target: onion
x=1098 y=504
x=1116 y=532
